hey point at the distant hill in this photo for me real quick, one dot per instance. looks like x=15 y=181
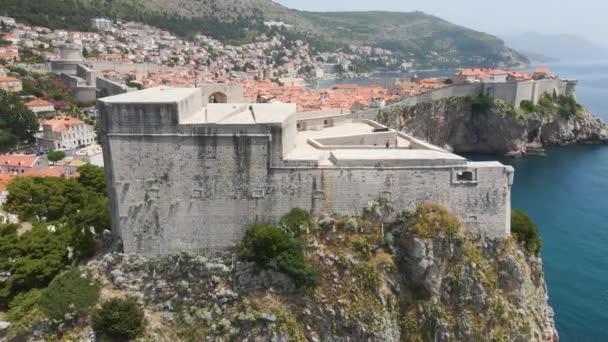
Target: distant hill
x=565 y=47
x=428 y=40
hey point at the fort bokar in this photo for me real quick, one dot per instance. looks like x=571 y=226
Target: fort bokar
x=186 y=173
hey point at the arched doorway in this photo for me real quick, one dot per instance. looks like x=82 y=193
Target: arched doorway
x=218 y=97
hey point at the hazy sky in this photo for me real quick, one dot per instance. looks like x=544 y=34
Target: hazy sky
x=583 y=17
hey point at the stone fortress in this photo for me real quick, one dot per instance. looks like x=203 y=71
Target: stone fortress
x=189 y=169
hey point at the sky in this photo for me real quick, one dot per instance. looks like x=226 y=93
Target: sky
x=586 y=18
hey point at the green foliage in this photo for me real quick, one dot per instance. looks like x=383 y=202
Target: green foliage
x=55 y=156
x=272 y=247
x=66 y=215
x=17 y=123
x=368 y=275
x=119 y=320
x=482 y=104
x=40 y=255
x=24 y=309
x=431 y=220
x=526 y=232
x=568 y=106
x=528 y=106
x=71 y=293
x=297 y=222
x=93 y=177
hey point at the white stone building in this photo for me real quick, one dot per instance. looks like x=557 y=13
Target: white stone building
x=10 y=84
x=40 y=106
x=65 y=133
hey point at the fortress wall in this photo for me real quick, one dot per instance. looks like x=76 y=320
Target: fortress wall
x=86 y=74
x=378 y=139
x=200 y=193
x=111 y=88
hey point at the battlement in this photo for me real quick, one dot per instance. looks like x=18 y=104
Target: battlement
x=187 y=174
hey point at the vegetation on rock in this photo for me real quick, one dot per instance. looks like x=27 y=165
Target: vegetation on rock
x=119 y=320
x=297 y=222
x=525 y=231
x=273 y=247
x=70 y=294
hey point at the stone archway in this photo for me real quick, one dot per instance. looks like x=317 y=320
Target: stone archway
x=218 y=97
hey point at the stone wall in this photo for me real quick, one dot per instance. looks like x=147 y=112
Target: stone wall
x=177 y=188
x=111 y=87
x=510 y=92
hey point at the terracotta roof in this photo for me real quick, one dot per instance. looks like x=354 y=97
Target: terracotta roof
x=542 y=70
x=61 y=123
x=38 y=103
x=50 y=172
x=8 y=79
x=13 y=160
x=5 y=178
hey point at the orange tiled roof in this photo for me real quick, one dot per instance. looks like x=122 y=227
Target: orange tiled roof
x=5 y=178
x=13 y=160
x=38 y=103
x=61 y=123
x=8 y=79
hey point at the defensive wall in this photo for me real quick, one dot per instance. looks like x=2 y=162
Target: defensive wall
x=512 y=93
x=183 y=176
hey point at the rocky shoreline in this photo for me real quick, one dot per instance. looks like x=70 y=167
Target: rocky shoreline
x=454 y=124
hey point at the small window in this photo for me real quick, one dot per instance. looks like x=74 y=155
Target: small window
x=465 y=176
x=196 y=193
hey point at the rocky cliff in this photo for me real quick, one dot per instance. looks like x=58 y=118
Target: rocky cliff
x=495 y=128
x=428 y=280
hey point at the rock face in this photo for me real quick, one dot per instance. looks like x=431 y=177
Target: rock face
x=452 y=122
x=407 y=287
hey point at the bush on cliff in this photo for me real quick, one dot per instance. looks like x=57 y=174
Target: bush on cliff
x=525 y=231
x=119 y=320
x=71 y=293
x=432 y=220
x=272 y=247
x=298 y=221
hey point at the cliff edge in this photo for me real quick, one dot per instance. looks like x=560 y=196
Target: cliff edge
x=486 y=125
x=429 y=279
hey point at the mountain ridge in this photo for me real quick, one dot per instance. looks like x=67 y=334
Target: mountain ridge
x=426 y=40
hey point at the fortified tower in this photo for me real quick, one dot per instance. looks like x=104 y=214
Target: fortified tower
x=187 y=174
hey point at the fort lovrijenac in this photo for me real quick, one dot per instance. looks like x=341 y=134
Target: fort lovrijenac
x=186 y=173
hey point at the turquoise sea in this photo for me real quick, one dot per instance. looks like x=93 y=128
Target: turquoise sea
x=566 y=193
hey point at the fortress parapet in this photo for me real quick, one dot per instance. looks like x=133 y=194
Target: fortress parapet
x=187 y=173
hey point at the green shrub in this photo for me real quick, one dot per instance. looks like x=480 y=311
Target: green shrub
x=525 y=231
x=24 y=309
x=73 y=293
x=119 y=320
x=272 y=247
x=297 y=221
x=528 y=106
x=263 y=243
x=431 y=220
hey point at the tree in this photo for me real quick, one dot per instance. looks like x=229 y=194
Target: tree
x=55 y=156
x=93 y=177
x=17 y=123
x=119 y=319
